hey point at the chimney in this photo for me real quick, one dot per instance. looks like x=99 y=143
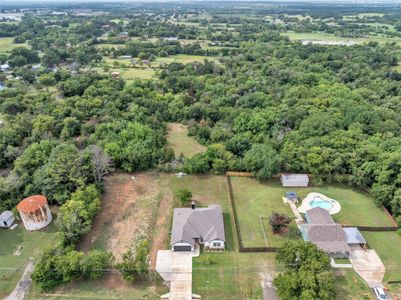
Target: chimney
x=193 y=205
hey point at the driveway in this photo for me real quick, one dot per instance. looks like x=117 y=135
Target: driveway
x=176 y=270
x=369 y=266
x=269 y=291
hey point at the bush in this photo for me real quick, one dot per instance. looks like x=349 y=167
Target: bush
x=135 y=263
x=278 y=221
x=184 y=195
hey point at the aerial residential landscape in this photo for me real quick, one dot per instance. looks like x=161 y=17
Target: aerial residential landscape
x=200 y=150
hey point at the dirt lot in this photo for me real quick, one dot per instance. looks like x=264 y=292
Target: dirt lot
x=133 y=204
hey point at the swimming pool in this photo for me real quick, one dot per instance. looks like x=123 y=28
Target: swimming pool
x=318 y=202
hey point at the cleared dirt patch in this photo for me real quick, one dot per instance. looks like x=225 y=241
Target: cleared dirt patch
x=128 y=207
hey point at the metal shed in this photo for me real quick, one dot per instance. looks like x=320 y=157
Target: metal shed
x=6 y=219
x=294 y=180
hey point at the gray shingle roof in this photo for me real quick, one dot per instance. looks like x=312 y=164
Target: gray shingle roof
x=206 y=223
x=324 y=232
x=319 y=215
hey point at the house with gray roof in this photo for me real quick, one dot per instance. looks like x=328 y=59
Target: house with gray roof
x=192 y=226
x=321 y=230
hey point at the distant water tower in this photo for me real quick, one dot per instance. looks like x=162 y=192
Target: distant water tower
x=35 y=212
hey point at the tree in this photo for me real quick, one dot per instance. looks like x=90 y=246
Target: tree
x=278 y=221
x=184 y=195
x=101 y=162
x=262 y=160
x=307 y=272
x=76 y=215
x=135 y=263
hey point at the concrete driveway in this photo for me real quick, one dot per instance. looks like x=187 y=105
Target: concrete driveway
x=176 y=270
x=369 y=266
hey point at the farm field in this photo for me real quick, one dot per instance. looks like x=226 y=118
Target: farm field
x=6 y=44
x=179 y=140
x=321 y=36
x=388 y=247
x=12 y=264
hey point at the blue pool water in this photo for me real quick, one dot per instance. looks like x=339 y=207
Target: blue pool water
x=318 y=202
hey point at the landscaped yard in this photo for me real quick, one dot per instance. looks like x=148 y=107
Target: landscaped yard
x=16 y=246
x=255 y=199
x=182 y=143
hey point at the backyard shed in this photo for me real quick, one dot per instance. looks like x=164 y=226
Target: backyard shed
x=35 y=212
x=294 y=180
x=6 y=219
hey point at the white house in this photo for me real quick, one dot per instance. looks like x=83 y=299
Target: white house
x=192 y=226
x=5 y=67
x=294 y=180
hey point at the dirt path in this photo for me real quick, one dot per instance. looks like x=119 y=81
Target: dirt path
x=161 y=230
x=21 y=290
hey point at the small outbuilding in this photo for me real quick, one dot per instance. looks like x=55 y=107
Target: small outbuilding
x=294 y=180
x=6 y=219
x=35 y=212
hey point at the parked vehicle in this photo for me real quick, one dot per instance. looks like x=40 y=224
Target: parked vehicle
x=380 y=294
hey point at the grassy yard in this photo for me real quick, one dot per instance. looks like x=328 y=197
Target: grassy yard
x=6 y=44
x=182 y=143
x=30 y=244
x=350 y=286
x=253 y=200
x=228 y=274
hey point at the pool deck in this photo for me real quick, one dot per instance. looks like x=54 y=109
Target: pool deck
x=306 y=203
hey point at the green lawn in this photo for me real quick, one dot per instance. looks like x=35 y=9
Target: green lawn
x=350 y=286
x=6 y=44
x=254 y=199
x=182 y=143
x=32 y=243
x=278 y=239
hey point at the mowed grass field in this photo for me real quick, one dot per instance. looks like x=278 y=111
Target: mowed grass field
x=181 y=143
x=6 y=44
x=322 y=36
x=350 y=286
x=254 y=199
x=29 y=244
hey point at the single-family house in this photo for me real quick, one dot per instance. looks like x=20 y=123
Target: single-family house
x=321 y=230
x=5 y=67
x=123 y=35
x=294 y=180
x=192 y=226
